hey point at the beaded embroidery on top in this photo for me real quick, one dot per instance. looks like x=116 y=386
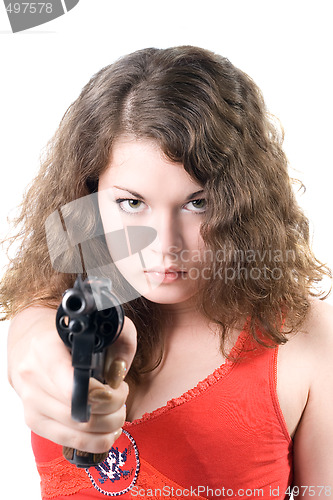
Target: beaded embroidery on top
x=118 y=473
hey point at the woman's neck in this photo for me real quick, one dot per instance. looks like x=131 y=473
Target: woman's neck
x=185 y=322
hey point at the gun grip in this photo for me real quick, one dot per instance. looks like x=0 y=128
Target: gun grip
x=80 y=407
x=82 y=353
x=83 y=459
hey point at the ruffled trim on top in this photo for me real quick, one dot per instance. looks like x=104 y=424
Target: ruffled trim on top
x=60 y=478
x=202 y=386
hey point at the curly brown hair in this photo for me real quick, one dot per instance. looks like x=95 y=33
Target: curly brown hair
x=210 y=116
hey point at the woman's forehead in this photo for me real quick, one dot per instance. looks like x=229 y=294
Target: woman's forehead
x=141 y=164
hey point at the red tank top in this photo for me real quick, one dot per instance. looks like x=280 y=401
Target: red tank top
x=225 y=438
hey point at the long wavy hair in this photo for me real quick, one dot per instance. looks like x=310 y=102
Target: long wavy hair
x=210 y=116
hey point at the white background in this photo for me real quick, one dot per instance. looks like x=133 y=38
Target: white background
x=285 y=45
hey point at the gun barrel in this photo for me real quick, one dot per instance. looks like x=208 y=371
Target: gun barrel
x=75 y=303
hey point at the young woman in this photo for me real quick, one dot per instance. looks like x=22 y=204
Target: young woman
x=229 y=390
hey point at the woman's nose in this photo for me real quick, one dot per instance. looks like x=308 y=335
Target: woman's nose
x=169 y=234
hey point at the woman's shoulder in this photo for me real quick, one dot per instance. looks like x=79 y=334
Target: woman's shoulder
x=312 y=345
x=321 y=311
x=316 y=332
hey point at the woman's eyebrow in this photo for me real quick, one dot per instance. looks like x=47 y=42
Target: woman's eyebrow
x=137 y=195
x=133 y=193
x=193 y=195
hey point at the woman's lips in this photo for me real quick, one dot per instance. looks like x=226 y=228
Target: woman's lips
x=165 y=275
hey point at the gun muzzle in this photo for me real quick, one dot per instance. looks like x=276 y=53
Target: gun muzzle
x=75 y=303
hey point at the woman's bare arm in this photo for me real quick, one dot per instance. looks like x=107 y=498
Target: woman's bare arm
x=313 y=443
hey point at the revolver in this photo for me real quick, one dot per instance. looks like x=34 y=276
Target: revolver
x=89 y=319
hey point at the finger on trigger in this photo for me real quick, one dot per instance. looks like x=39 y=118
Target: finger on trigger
x=115 y=373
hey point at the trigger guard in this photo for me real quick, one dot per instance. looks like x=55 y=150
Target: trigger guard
x=80 y=407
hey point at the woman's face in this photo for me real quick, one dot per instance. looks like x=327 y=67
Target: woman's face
x=142 y=188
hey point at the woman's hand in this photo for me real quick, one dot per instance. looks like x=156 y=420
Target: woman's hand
x=40 y=370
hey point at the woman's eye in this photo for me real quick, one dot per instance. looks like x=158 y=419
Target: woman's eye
x=130 y=205
x=198 y=206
